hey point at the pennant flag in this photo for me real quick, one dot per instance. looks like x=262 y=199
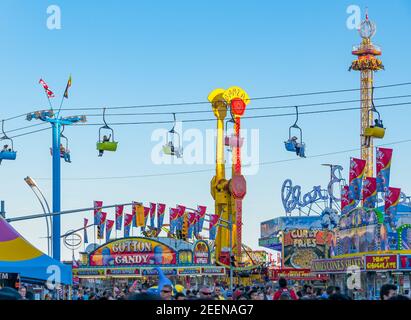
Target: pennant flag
x=49 y=93
x=202 y=212
x=196 y=224
x=213 y=226
x=161 y=209
x=85 y=230
x=100 y=227
x=384 y=157
x=119 y=217
x=140 y=215
x=146 y=214
x=152 y=214
x=67 y=88
x=357 y=170
x=173 y=219
x=392 y=198
x=347 y=204
x=97 y=212
x=109 y=227
x=180 y=217
x=369 y=192
x=128 y=218
x=191 y=223
x=134 y=214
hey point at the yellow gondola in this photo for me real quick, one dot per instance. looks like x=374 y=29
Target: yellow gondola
x=377 y=130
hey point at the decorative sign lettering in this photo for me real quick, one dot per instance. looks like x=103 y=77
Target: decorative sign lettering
x=292 y=197
x=336 y=265
x=133 y=251
x=381 y=262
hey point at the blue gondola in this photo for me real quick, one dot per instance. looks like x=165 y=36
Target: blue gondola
x=292 y=144
x=7 y=153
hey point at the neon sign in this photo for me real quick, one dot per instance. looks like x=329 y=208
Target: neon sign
x=292 y=197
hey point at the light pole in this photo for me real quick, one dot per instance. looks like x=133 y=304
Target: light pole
x=56 y=122
x=33 y=186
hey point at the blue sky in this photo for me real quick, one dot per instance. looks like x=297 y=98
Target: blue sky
x=123 y=53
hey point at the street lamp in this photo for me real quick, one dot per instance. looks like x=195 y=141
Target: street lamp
x=33 y=186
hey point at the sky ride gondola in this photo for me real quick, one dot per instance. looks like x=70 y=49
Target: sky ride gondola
x=232 y=141
x=106 y=143
x=7 y=153
x=169 y=148
x=64 y=148
x=292 y=143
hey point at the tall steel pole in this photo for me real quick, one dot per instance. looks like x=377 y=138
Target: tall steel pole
x=56 y=243
x=56 y=123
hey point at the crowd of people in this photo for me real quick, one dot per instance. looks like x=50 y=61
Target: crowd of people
x=148 y=291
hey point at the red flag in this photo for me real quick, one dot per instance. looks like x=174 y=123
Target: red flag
x=109 y=227
x=392 y=198
x=49 y=93
x=369 y=192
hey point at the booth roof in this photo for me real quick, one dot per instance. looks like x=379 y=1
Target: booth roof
x=17 y=255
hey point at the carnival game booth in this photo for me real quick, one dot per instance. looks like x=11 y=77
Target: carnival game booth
x=366 y=250
x=18 y=256
x=300 y=241
x=124 y=260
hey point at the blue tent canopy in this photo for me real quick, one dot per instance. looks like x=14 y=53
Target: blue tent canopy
x=17 y=255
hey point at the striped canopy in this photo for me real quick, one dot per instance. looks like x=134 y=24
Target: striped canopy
x=17 y=255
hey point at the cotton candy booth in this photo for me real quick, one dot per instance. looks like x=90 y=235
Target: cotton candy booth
x=127 y=259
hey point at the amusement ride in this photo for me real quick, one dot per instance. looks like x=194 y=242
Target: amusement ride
x=228 y=193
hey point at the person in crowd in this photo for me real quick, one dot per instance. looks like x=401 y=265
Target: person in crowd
x=23 y=292
x=329 y=291
x=218 y=294
x=48 y=297
x=243 y=297
x=262 y=295
x=30 y=295
x=282 y=282
x=166 y=292
x=253 y=294
x=308 y=293
x=205 y=293
x=388 y=291
x=180 y=296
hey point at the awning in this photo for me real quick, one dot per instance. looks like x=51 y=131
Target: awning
x=19 y=256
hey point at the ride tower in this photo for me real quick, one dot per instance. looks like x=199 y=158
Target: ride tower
x=367 y=63
x=228 y=194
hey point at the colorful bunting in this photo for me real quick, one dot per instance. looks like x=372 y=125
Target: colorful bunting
x=119 y=217
x=213 y=226
x=357 y=170
x=128 y=218
x=369 y=192
x=109 y=228
x=161 y=209
x=384 y=157
x=85 y=230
